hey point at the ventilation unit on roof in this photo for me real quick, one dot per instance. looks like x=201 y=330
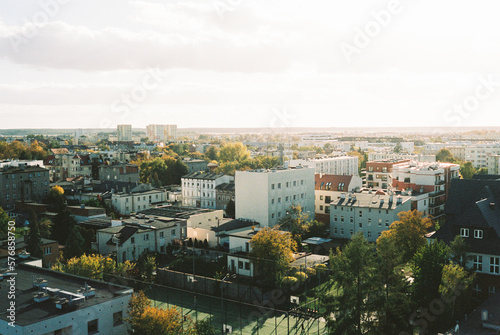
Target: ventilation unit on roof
x=39 y=282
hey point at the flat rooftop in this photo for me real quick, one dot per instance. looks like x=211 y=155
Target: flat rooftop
x=29 y=312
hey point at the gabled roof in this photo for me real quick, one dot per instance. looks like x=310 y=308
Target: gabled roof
x=334 y=180
x=123 y=235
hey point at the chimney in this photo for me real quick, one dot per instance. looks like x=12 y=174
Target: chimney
x=342 y=195
x=492 y=206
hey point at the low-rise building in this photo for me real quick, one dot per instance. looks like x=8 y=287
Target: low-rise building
x=49 y=302
x=339 y=165
x=224 y=193
x=120 y=172
x=199 y=188
x=368 y=212
x=50 y=249
x=195 y=165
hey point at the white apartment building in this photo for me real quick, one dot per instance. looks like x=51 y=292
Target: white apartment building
x=342 y=165
x=458 y=152
x=264 y=196
x=478 y=154
x=493 y=164
x=124 y=132
x=126 y=203
x=409 y=147
x=199 y=188
x=161 y=132
x=368 y=212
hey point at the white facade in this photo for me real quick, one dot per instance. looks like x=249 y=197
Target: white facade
x=478 y=155
x=343 y=165
x=126 y=203
x=152 y=239
x=409 y=147
x=382 y=156
x=494 y=164
x=239 y=247
x=264 y=196
x=199 y=189
x=124 y=132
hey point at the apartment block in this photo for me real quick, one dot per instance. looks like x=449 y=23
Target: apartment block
x=265 y=196
x=24 y=183
x=161 y=132
x=124 y=132
x=341 y=165
x=368 y=212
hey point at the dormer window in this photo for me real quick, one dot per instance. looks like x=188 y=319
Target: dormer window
x=464 y=232
x=478 y=233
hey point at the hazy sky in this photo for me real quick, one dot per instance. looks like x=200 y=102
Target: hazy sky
x=249 y=63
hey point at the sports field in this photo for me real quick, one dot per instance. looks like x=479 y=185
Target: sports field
x=243 y=318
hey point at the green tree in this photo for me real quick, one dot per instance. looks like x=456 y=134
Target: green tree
x=394 y=304
x=315 y=229
x=408 y=234
x=34 y=245
x=427 y=266
x=63 y=224
x=467 y=170
x=458 y=251
x=230 y=209
x=146 y=266
x=75 y=244
x=354 y=277
x=212 y=153
x=4 y=224
x=203 y=327
x=455 y=287
x=295 y=221
x=445 y=155
x=398 y=148
x=272 y=251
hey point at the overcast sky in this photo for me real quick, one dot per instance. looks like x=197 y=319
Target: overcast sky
x=249 y=63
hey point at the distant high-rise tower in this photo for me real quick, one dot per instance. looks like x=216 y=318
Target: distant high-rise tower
x=124 y=132
x=161 y=132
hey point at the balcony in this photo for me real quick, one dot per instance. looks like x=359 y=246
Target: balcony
x=436 y=203
x=440 y=182
x=236 y=250
x=437 y=194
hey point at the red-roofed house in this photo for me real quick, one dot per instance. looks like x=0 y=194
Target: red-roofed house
x=325 y=185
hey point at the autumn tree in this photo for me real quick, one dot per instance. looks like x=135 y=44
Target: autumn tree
x=4 y=223
x=94 y=267
x=409 y=232
x=272 y=252
x=147 y=320
x=234 y=152
x=354 y=277
x=295 y=221
x=56 y=198
x=455 y=289
x=212 y=153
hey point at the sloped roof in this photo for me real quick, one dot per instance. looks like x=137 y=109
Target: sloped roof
x=123 y=235
x=60 y=151
x=334 y=180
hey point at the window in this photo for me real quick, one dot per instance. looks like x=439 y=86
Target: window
x=360 y=214
x=342 y=219
x=361 y=225
x=173 y=232
x=279 y=185
x=320 y=208
x=279 y=200
x=327 y=209
x=286 y=198
x=93 y=326
x=287 y=184
x=492 y=289
x=335 y=218
x=247 y=265
x=294 y=183
x=335 y=230
x=47 y=251
x=478 y=233
x=272 y=215
x=272 y=186
x=132 y=240
x=352 y=219
x=369 y=234
x=247 y=247
x=240 y=265
x=279 y=214
x=146 y=237
x=272 y=201
x=162 y=234
x=117 y=318
x=370 y=222
x=477 y=263
x=380 y=222
x=464 y=232
x=328 y=199
x=495 y=265
x=341 y=231
x=320 y=197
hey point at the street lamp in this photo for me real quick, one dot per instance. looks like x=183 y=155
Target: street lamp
x=115 y=240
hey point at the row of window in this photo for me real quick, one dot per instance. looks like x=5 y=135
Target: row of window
x=288 y=184
x=15 y=196
x=188 y=184
x=351 y=219
x=369 y=234
x=350 y=209
x=288 y=198
x=93 y=326
x=477 y=264
x=478 y=233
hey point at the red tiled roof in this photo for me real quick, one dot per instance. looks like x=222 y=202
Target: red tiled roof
x=335 y=180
